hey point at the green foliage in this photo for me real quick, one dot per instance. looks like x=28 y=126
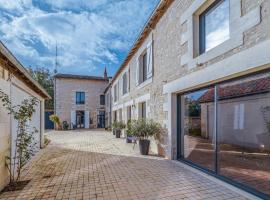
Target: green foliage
x=128 y=130
x=55 y=119
x=24 y=143
x=194 y=109
x=118 y=125
x=143 y=128
x=65 y=125
x=46 y=140
x=45 y=78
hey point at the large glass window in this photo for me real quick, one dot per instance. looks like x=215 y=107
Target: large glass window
x=244 y=131
x=215 y=25
x=80 y=97
x=226 y=128
x=197 y=128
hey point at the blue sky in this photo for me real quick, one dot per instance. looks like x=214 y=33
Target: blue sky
x=90 y=34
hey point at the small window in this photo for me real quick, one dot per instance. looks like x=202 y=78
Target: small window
x=102 y=99
x=2 y=73
x=144 y=68
x=214 y=25
x=142 y=110
x=129 y=79
x=115 y=92
x=114 y=116
x=128 y=113
x=80 y=97
x=124 y=83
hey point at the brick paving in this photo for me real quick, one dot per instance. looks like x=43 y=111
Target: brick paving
x=95 y=165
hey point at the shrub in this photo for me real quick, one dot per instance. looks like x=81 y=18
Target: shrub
x=143 y=128
x=65 y=125
x=118 y=125
x=55 y=119
x=129 y=131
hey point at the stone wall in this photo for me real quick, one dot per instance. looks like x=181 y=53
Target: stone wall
x=65 y=97
x=170 y=47
x=5 y=135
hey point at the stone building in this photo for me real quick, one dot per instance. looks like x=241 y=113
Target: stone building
x=80 y=100
x=186 y=48
x=16 y=82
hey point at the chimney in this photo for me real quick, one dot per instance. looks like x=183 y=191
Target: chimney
x=105 y=74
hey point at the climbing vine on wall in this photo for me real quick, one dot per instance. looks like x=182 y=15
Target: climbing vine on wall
x=24 y=141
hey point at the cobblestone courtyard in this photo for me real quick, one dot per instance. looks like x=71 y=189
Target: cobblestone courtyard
x=96 y=165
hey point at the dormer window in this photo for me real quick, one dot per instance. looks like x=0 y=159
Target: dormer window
x=214 y=25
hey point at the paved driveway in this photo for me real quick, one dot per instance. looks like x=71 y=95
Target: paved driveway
x=95 y=165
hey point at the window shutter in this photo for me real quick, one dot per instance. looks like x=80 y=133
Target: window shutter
x=138 y=71
x=73 y=118
x=149 y=60
x=87 y=120
x=120 y=86
x=128 y=77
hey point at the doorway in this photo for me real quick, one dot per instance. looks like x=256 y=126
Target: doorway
x=101 y=119
x=80 y=119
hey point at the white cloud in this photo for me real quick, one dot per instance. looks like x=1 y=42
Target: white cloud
x=86 y=39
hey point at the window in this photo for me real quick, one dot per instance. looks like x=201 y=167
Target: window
x=120 y=115
x=102 y=99
x=144 y=67
x=128 y=113
x=214 y=25
x=124 y=83
x=2 y=73
x=115 y=92
x=142 y=110
x=114 y=116
x=225 y=129
x=80 y=97
x=129 y=79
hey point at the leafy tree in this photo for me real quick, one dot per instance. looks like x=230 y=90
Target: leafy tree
x=45 y=78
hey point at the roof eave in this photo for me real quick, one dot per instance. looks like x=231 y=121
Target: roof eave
x=158 y=12
x=25 y=75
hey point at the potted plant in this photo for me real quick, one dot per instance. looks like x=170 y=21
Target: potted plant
x=114 y=126
x=119 y=127
x=129 y=132
x=65 y=125
x=144 y=129
x=56 y=120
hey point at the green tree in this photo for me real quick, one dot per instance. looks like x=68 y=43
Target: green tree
x=45 y=78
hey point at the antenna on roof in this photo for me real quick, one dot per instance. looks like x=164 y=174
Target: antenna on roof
x=56 y=59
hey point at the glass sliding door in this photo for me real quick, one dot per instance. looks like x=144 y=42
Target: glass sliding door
x=244 y=131
x=226 y=129
x=197 y=110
